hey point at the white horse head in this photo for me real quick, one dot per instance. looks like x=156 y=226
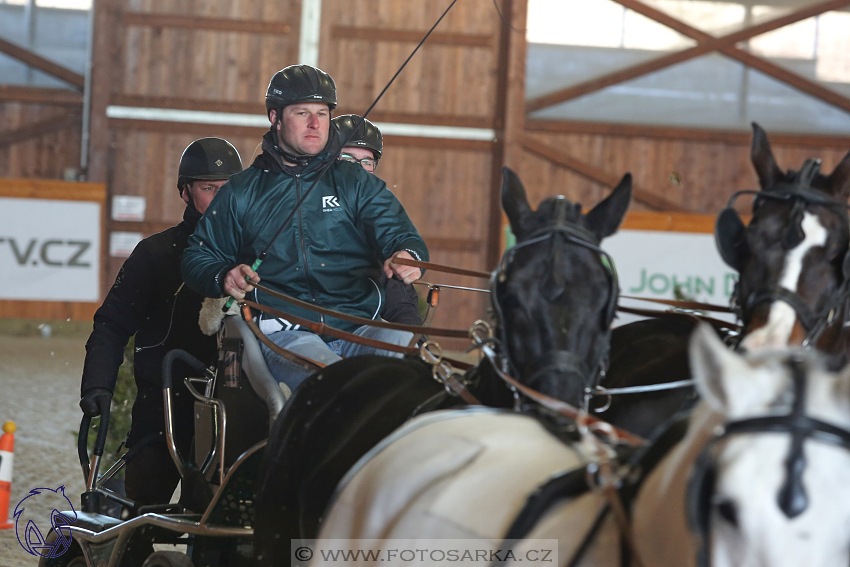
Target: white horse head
x=760 y=511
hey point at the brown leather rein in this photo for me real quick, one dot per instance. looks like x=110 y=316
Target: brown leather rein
x=323 y=329
x=688 y=305
x=415 y=329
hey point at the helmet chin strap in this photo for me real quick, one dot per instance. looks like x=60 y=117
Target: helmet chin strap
x=299 y=160
x=187 y=187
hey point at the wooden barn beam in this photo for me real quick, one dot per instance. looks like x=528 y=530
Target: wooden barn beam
x=38 y=129
x=107 y=66
x=185 y=103
x=238 y=107
x=411 y=36
x=561 y=158
x=40 y=95
x=438 y=143
x=38 y=62
x=459 y=120
x=740 y=137
x=510 y=115
x=707 y=44
x=160 y=20
x=759 y=63
x=194 y=128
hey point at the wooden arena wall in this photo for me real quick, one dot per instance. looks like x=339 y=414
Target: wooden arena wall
x=674 y=169
x=219 y=56
x=38 y=140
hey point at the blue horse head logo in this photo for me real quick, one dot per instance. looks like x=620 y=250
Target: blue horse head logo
x=31 y=538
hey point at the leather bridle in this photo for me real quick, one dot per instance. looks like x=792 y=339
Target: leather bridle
x=791 y=498
x=559 y=361
x=800 y=195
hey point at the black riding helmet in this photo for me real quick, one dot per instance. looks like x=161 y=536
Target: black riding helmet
x=300 y=83
x=207 y=158
x=367 y=135
x=294 y=84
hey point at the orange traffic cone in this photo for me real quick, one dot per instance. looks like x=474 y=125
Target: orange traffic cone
x=7 y=452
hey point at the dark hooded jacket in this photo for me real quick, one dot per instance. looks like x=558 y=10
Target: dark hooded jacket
x=327 y=254
x=150 y=301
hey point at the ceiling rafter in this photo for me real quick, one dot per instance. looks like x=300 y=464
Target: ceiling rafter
x=40 y=95
x=563 y=159
x=38 y=62
x=706 y=44
x=38 y=129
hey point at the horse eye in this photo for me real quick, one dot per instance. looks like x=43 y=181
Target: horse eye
x=728 y=511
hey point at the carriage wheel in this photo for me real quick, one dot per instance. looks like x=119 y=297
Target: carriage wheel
x=168 y=559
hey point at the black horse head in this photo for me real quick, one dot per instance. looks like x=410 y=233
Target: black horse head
x=794 y=251
x=555 y=292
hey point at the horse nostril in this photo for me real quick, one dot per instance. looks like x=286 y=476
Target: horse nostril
x=728 y=511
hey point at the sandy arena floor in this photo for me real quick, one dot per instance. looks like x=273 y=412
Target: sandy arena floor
x=39 y=391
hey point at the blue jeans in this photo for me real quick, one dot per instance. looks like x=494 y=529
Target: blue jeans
x=312 y=346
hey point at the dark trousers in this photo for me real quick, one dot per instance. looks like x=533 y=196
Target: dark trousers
x=150 y=477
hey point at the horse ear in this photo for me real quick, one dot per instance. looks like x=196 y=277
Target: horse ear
x=725 y=379
x=839 y=180
x=514 y=200
x=605 y=218
x=762 y=157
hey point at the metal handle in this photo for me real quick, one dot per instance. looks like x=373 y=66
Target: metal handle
x=99 y=444
x=167 y=364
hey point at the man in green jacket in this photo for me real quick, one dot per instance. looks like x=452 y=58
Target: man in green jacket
x=327 y=253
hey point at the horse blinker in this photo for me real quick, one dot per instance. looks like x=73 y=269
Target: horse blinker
x=728 y=235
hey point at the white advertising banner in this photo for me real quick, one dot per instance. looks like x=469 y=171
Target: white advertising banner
x=49 y=249
x=654 y=263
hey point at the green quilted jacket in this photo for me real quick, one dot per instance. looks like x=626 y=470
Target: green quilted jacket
x=327 y=254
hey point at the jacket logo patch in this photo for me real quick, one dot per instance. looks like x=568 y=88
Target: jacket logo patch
x=330 y=203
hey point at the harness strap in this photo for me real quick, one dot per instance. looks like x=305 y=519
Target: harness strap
x=559 y=406
x=570 y=484
x=565 y=485
x=695 y=305
x=440 y=267
x=300 y=360
x=612 y=496
x=808 y=318
x=322 y=329
x=415 y=329
x=716 y=323
x=591 y=535
x=461 y=391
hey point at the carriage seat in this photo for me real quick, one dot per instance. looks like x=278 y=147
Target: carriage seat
x=274 y=394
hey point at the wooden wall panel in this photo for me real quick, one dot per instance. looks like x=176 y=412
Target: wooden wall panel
x=700 y=175
x=53 y=310
x=440 y=79
x=48 y=152
x=445 y=185
x=440 y=189
x=149 y=59
x=146 y=165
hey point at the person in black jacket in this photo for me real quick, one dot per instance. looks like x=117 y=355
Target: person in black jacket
x=364 y=145
x=150 y=300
